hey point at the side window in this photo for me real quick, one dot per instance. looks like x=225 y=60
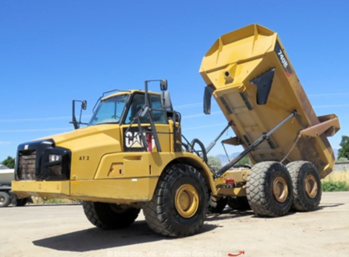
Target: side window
x=159 y=116
x=135 y=107
x=109 y=110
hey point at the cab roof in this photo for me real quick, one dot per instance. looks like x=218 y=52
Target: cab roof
x=128 y=92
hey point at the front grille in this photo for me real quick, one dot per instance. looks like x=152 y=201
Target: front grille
x=26 y=165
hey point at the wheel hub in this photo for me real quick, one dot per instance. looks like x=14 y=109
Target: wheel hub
x=310 y=186
x=280 y=189
x=186 y=201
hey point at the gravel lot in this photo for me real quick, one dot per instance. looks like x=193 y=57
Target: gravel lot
x=63 y=230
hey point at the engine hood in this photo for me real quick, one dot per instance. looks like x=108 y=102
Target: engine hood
x=106 y=136
x=86 y=147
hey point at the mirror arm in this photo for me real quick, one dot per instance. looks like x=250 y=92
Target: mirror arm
x=74 y=121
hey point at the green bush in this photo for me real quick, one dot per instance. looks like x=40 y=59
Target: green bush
x=331 y=186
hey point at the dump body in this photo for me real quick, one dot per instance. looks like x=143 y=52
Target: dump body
x=256 y=87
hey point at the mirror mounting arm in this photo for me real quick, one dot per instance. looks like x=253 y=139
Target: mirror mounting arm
x=74 y=121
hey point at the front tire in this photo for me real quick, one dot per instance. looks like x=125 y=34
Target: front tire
x=269 y=189
x=108 y=215
x=306 y=185
x=180 y=202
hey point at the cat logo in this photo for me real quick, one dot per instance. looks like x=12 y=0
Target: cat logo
x=133 y=141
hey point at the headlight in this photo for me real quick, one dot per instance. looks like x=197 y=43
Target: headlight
x=54 y=158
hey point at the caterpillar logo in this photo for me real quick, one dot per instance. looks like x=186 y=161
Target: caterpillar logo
x=283 y=60
x=133 y=141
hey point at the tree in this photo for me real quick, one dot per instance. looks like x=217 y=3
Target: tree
x=342 y=159
x=344 y=151
x=244 y=161
x=9 y=162
x=214 y=162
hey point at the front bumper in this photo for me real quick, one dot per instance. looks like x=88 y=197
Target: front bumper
x=52 y=189
x=127 y=190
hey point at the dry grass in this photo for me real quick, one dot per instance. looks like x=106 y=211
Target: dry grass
x=338 y=176
x=39 y=200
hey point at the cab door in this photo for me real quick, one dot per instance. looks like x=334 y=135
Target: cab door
x=131 y=136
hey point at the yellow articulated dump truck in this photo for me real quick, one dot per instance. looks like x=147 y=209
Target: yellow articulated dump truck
x=132 y=154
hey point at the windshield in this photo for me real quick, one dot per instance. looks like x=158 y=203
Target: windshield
x=109 y=110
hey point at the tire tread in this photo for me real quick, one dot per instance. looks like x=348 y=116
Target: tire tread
x=256 y=195
x=154 y=211
x=300 y=203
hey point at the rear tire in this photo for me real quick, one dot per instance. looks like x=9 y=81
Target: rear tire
x=21 y=202
x=220 y=205
x=108 y=215
x=239 y=203
x=180 y=202
x=5 y=199
x=306 y=185
x=269 y=189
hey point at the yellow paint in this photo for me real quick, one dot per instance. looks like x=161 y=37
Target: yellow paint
x=238 y=174
x=237 y=191
x=229 y=66
x=116 y=170
x=187 y=201
x=136 y=184
x=54 y=188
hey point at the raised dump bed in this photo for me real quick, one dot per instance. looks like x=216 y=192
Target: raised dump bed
x=255 y=85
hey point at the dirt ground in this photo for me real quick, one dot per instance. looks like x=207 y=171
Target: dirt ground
x=64 y=231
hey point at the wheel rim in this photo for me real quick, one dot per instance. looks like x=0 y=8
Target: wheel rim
x=187 y=201
x=2 y=199
x=280 y=189
x=310 y=186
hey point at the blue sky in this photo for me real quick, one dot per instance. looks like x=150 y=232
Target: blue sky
x=54 y=51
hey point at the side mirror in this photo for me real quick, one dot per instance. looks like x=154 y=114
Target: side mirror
x=84 y=105
x=163 y=87
x=74 y=121
x=207 y=99
x=166 y=100
x=163 y=84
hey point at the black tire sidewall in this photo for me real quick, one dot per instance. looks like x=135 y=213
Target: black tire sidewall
x=220 y=205
x=304 y=200
x=239 y=203
x=103 y=216
x=259 y=189
x=21 y=202
x=161 y=213
x=179 y=222
x=273 y=173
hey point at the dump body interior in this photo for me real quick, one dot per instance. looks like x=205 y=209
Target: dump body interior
x=245 y=61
